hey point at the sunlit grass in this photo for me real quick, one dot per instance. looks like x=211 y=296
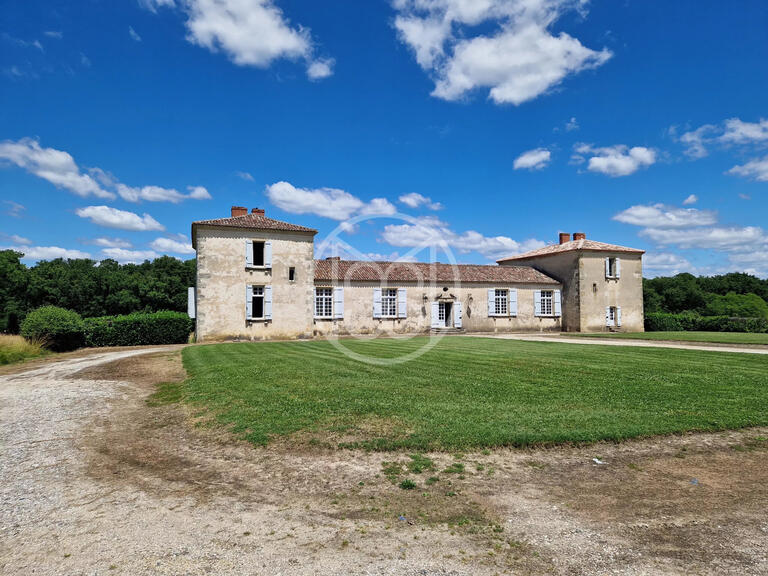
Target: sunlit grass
x=713 y=337
x=16 y=349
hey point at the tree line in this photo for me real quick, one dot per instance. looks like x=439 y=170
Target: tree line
x=736 y=294
x=91 y=288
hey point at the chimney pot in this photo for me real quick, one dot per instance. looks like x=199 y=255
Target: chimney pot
x=259 y=211
x=579 y=236
x=337 y=258
x=564 y=237
x=239 y=211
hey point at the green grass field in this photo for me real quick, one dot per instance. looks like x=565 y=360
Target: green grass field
x=713 y=337
x=16 y=349
x=470 y=392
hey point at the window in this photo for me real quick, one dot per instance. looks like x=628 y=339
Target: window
x=258 y=253
x=292 y=274
x=611 y=316
x=612 y=268
x=389 y=302
x=500 y=305
x=323 y=302
x=546 y=302
x=257 y=310
x=441 y=312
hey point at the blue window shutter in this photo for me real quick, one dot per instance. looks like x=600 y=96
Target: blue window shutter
x=267 y=254
x=249 y=302
x=608 y=316
x=607 y=267
x=537 y=302
x=338 y=303
x=491 y=302
x=457 y=314
x=249 y=252
x=377 y=302
x=618 y=315
x=618 y=268
x=402 y=303
x=558 y=303
x=435 y=315
x=513 y=302
x=267 y=302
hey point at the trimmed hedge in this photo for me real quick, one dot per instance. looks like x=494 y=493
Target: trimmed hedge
x=55 y=328
x=691 y=322
x=138 y=329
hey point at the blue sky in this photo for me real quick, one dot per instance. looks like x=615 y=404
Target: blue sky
x=639 y=123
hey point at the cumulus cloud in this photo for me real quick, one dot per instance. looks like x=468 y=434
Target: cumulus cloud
x=120 y=219
x=731 y=132
x=756 y=169
x=696 y=140
x=532 y=159
x=742 y=239
x=619 y=160
x=250 y=32
x=692 y=199
x=129 y=256
x=175 y=246
x=49 y=252
x=665 y=264
x=55 y=166
x=247 y=176
x=519 y=58
x=662 y=216
x=16 y=239
x=739 y=132
x=431 y=231
x=330 y=203
x=111 y=242
x=571 y=125
x=416 y=200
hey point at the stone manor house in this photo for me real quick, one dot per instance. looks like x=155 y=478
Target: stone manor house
x=257 y=278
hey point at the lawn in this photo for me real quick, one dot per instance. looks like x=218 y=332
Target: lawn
x=470 y=392
x=15 y=349
x=713 y=337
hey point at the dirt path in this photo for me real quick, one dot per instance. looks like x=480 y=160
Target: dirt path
x=629 y=342
x=93 y=480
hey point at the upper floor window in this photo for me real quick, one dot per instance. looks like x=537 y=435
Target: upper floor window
x=612 y=268
x=291 y=274
x=258 y=254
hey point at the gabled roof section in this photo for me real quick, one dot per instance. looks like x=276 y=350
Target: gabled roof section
x=252 y=221
x=574 y=245
x=369 y=271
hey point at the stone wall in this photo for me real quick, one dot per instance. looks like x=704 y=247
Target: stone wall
x=599 y=291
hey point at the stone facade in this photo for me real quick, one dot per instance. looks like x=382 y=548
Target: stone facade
x=565 y=289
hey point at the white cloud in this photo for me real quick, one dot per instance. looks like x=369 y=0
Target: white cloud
x=696 y=140
x=572 y=125
x=121 y=219
x=55 y=166
x=756 y=169
x=738 y=239
x=16 y=239
x=430 y=231
x=160 y=194
x=415 y=200
x=732 y=131
x=326 y=202
x=55 y=34
x=14 y=208
x=619 y=160
x=153 y=5
x=129 y=256
x=49 y=252
x=517 y=61
x=174 y=246
x=198 y=193
x=692 y=199
x=661 y=216
x=665 y=264
x=740 y=132
x=319 y=69
x=532 y=159
x=133 y=34
x=111 y=242
x=251 y=33
x=247 y=176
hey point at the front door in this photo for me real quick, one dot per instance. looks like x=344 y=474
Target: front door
x=444 y=314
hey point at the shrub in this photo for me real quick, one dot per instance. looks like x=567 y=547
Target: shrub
x=56 y=328
x=138 y=329
x=689 y=321
x=16 y=348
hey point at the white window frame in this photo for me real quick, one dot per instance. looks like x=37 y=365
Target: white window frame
x=547 y=302
x=501 y=302
x=389 y=302
x=612 y=268
x=258 y=292
x=325 y=300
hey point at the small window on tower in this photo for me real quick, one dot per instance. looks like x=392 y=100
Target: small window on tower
x=291 y=273
x=258 y=253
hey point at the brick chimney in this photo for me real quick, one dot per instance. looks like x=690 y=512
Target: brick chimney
x=564 y=237
x=257 y=211
x=579 y=236
x=239 y=211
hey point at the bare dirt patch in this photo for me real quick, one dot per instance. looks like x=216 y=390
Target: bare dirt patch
x=146 y=488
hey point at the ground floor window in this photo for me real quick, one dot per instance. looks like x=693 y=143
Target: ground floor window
x=500 y=304
x=257 y=309
x=389 y=302
x=546 y=302
x=323 y=302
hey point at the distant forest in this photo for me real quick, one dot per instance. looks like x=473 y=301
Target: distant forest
x=103 y=288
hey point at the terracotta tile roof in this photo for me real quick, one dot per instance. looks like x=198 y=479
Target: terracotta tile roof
x=364 y=270
x=255 y=221
x=585 y=245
